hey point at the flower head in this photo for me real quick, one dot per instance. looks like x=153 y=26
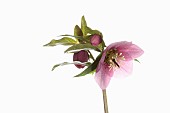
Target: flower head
x=116 y=60
x=81 y=56
x=95 y=40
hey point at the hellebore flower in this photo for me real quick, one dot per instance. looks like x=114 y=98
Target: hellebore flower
x=81 y=56
x=95 y=40
x=116 y=60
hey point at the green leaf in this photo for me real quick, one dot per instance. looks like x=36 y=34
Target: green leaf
x=91 y=56
x=83 y=25
x=91 y=68
x=62 y=41
x=137 y=60
x=77 y=31
x=78 y=47
x=78 y=37
x=92 y=32
x=67 y=63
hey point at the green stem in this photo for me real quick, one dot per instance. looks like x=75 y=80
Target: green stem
x=105 y=101
x=91 y=55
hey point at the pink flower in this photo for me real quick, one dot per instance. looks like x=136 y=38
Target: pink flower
x=81 y=56
x=117 y=60
x=95 y=40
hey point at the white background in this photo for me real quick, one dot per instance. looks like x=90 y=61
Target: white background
x=27 y=84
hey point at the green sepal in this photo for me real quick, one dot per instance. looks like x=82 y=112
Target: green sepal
x=62 y=41
x=91 y=68
x=83 y=25
x=100 y=46
x=78 y=47
x=67 y=63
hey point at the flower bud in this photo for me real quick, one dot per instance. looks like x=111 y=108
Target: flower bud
x=95 y=40
x=81 y=56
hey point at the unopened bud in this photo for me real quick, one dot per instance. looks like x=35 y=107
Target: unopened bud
x=81 y=56
x=95 y=40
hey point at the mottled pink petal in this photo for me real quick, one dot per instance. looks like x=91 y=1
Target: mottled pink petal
x=103 y=56
x=125 y=69
x=103 y=75
x=130 y=51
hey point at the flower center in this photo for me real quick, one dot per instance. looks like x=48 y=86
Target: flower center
x=112 y=57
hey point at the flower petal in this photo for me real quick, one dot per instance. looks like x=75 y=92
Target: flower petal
x=130 y=51
x=103 y=75
x=125 y=69
x=119 y=44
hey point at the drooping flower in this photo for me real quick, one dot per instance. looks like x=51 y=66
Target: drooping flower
x=117 y=60
x=81 y=56
x=95 y=40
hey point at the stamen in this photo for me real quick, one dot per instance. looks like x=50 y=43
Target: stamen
x=115 y=63
x=120 y=54
x=123 y=58
x=111 y=57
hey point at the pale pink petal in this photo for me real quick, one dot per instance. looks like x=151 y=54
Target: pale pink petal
x=130 y=51
x=103 y=75
x=125 y=69
x=118 y=44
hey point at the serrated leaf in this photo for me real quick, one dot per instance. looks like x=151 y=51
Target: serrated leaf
x=91 y=68
x=78 y=47
x=62 y=41
x=83 y=25
x=77 y=31
x=67 y=63
x=137 y=60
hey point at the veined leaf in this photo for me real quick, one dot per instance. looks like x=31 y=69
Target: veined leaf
x=78 y=47
x=62 y=41
x=67 y=63
x=83 y=25
x=91 y=68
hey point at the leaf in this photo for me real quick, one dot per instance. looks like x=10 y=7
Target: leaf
x=92 y=32
x=77 y=37
x=91 y=68
x=77 y=31
x=91 y=56
x=137 y=60
x=62 y=41
x=67 y=63
x=78 y=47
x=83 y=25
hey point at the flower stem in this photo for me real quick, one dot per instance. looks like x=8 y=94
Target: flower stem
x=105 y=101
x=91 y=55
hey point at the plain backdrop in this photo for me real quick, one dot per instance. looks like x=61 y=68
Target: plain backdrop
x=27 y=84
